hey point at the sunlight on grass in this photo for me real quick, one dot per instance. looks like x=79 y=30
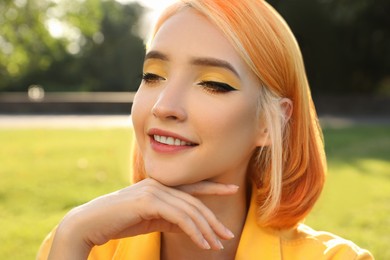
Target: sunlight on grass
x=44 y=173
x=355 y=202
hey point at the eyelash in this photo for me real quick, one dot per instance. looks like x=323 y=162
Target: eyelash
x=210 y=86
x=216 y=87
x=150 y=78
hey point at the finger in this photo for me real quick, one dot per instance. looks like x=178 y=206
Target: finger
x=221 y=230
x=170 y=212
x=218 y=229
x=208 y=188
x=194 y=210
x=145 y=227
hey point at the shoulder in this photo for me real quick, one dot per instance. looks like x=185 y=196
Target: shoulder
x=304 y=240
x=146 y=246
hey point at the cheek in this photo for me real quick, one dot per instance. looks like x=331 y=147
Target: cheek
x=230 y=124
x=228 y=140
x=140 y=109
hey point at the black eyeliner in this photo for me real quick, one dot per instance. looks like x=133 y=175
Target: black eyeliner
x=215 y=84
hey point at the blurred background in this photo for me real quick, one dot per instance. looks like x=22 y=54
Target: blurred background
x=49 y=46
x=68 y=72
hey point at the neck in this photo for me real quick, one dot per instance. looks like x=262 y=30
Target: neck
x=180 y=246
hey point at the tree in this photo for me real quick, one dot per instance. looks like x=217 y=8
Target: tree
x=345 y=43
x=120 y=55
x=63 y=46
x=25 y=43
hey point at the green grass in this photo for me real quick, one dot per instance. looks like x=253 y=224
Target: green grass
x=46 y=172
x=355 y=203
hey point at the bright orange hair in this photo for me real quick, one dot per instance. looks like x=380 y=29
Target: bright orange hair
x=289 y=174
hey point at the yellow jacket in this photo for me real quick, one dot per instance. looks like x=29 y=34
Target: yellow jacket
x=299 y=243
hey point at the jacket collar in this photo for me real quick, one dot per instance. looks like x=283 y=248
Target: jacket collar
x=255 y=242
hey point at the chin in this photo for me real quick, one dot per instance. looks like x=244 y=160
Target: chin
x=170 y=181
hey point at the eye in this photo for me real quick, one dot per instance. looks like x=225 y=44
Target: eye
x=150 y=78
x=216 y=87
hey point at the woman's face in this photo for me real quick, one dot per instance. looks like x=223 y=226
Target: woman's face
x=195 y=112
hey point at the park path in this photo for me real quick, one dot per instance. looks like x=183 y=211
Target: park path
x=65 y=121
x=124 y=121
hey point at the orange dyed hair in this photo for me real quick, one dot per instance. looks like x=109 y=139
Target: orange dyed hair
x=289 y=174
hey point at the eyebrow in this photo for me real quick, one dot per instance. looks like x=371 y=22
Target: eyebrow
x=156 y=55
x=201 y=61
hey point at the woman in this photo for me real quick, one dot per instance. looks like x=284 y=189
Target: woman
x=229 y=157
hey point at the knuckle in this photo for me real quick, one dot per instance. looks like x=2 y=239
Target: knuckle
x=192 y=211
x=183 y=219
x=147 y=196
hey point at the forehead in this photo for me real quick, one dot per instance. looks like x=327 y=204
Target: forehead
x=188 y=33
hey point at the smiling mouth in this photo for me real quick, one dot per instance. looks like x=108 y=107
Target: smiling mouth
x=168 y=140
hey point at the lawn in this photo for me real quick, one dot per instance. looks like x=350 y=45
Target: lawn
x=45 y=172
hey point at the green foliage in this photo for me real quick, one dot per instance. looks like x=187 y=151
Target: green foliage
x=25 y=44
x=345 y=44
x=90 y=45
x=46 y=172
x=121 y=54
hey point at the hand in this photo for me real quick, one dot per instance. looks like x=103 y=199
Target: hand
x=144 y=207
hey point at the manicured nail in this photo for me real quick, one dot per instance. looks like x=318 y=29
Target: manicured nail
x=233 y=186
x=206 y=245
x=229 y=233
x=220 y=245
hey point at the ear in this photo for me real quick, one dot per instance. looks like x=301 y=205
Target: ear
x=286 y=107
x=262 y=135
x=283 y=111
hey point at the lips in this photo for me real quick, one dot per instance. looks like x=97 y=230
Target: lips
x=165 y=141
x=169 y=140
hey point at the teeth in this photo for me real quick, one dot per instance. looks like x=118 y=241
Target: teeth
x=169 y=140
x=177 y=142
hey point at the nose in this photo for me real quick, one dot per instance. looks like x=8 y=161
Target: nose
x=170 y=104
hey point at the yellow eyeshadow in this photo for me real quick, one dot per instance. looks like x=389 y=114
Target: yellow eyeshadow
x=155 y=67
x=219 y=75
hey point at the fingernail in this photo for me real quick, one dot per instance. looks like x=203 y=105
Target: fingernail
x=220 y=245
x=233 y=186
x=229 y=233
x=206 y=245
